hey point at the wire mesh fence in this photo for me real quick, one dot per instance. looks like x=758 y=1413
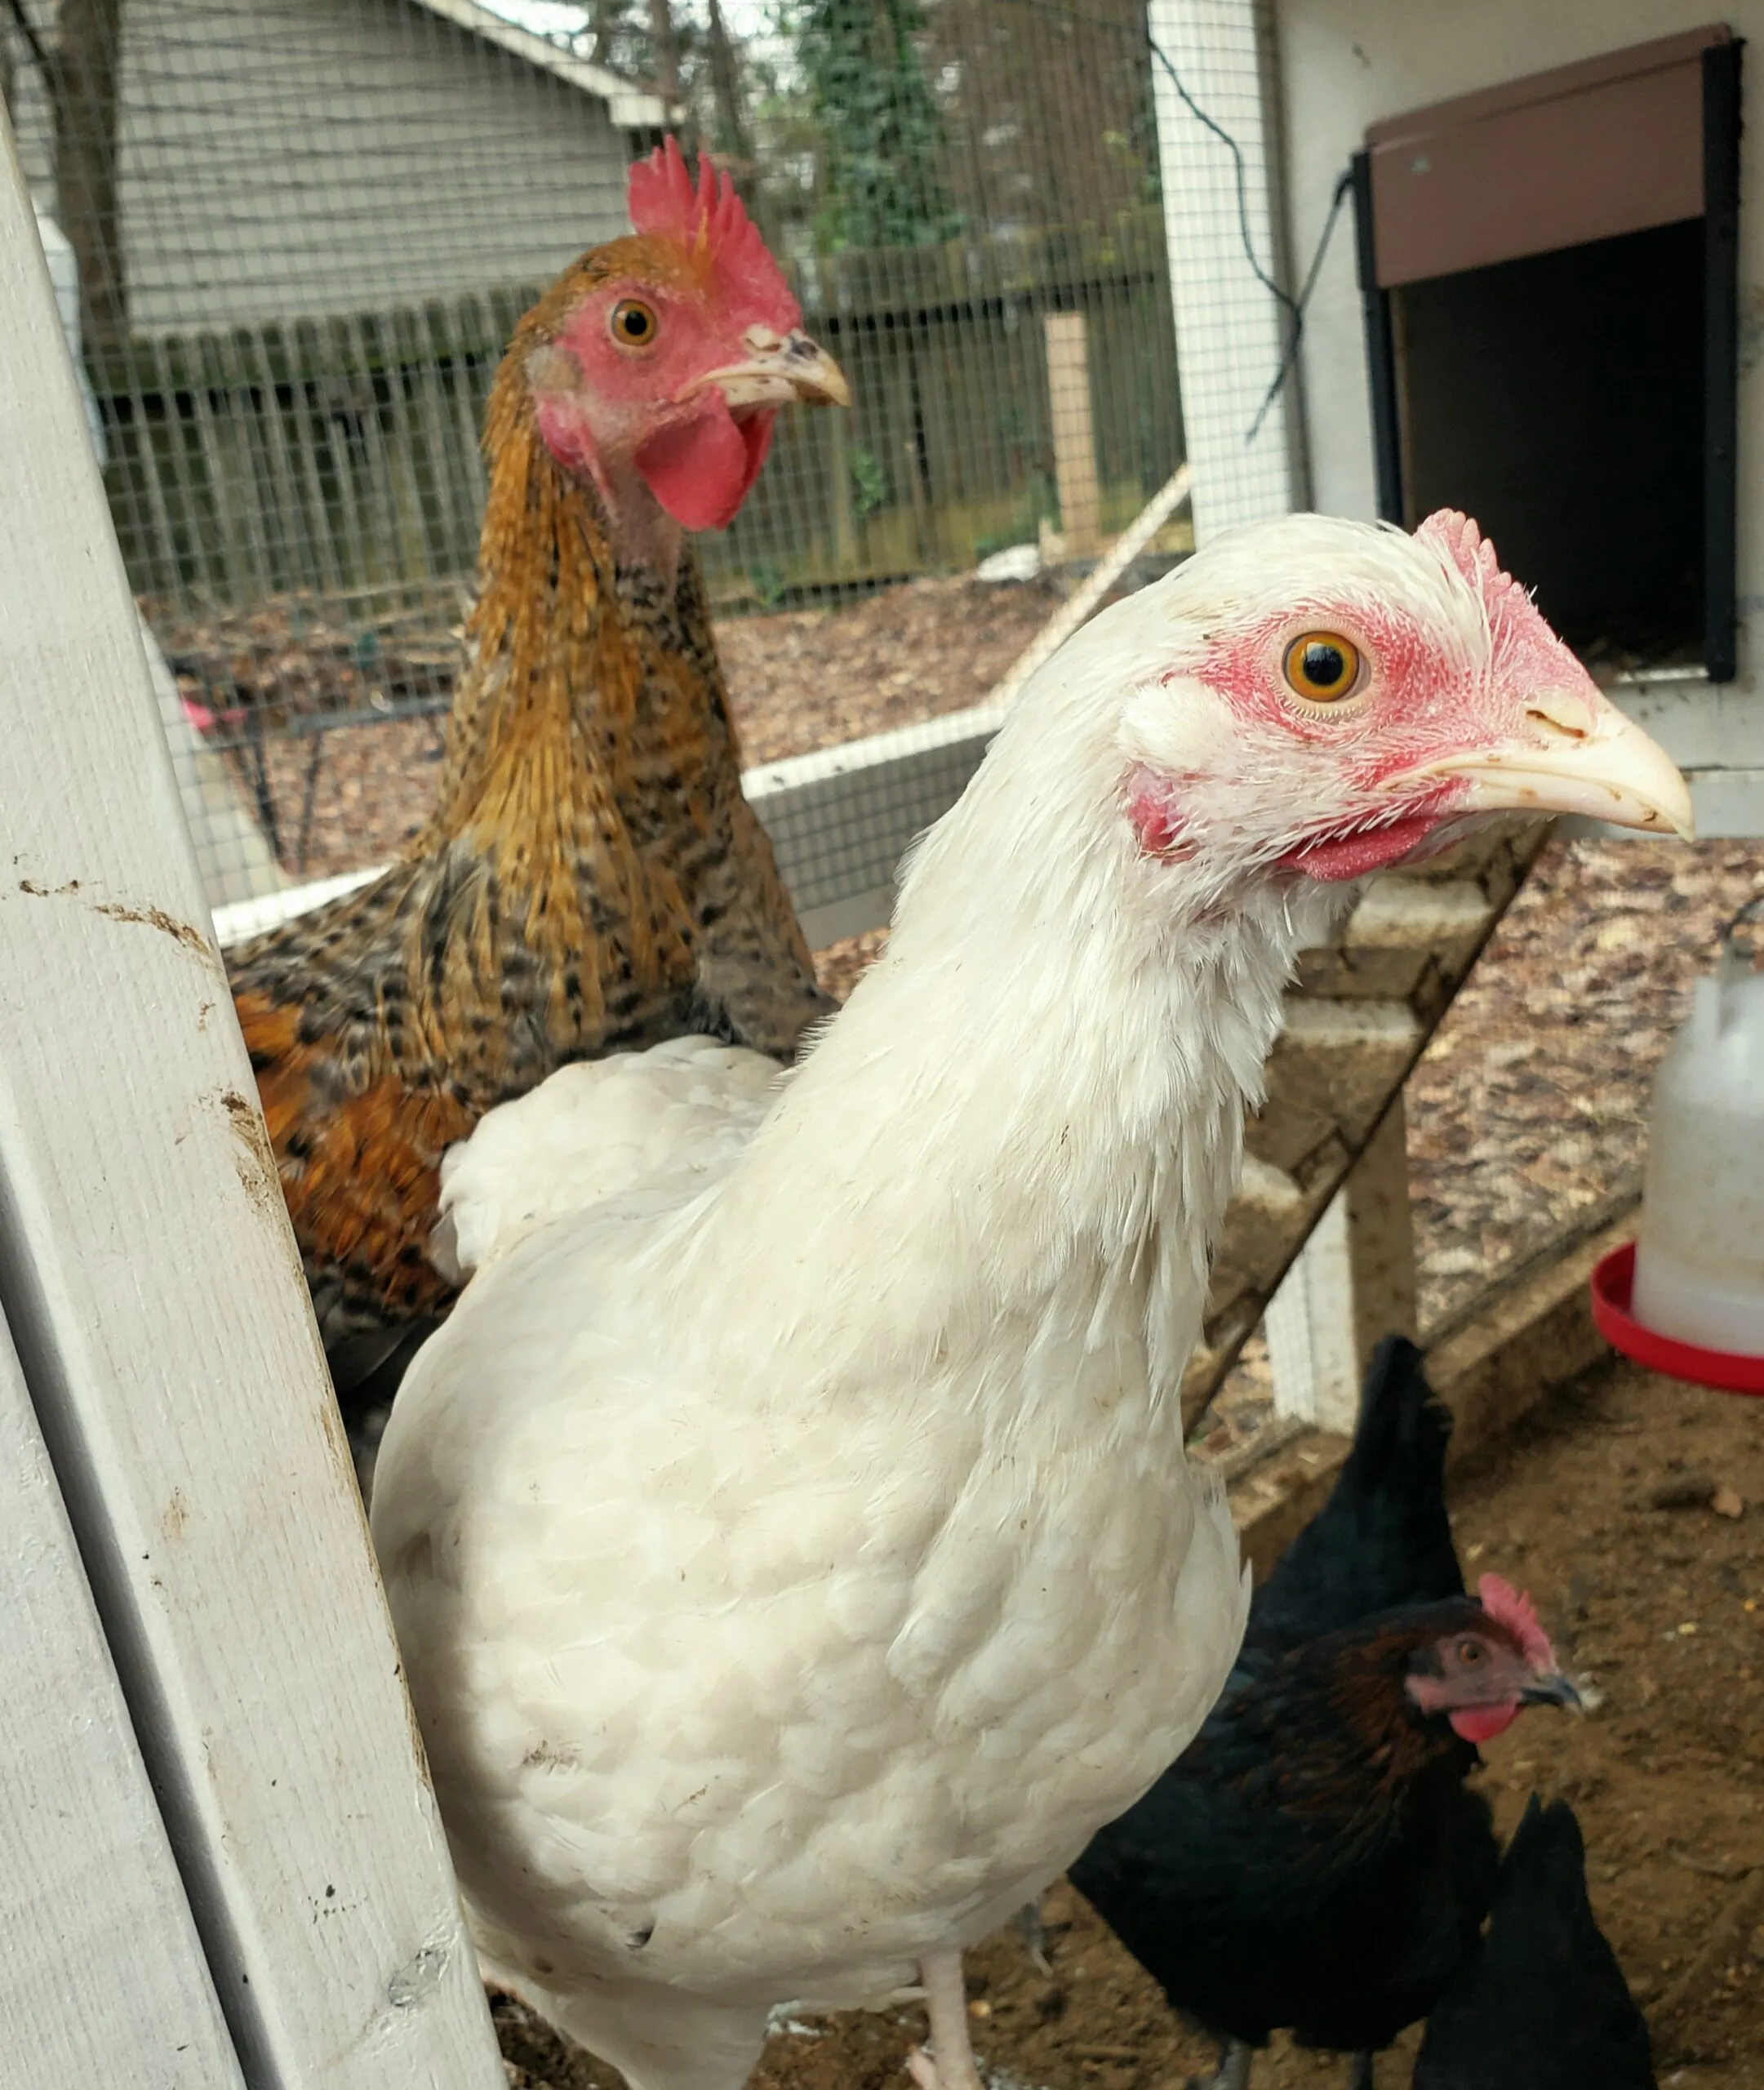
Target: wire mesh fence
x=304 y=231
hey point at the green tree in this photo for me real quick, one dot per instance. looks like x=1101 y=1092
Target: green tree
x=879 y=179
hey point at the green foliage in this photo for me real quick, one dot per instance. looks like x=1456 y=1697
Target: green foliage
x=1039 y=503
x=768 y=583
x=869 y=481
x=880 y=134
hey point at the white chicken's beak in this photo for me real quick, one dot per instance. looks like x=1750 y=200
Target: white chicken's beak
x=782 y=367
x=1579 y=755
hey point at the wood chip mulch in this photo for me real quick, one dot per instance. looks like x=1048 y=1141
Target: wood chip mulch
x=798 y=680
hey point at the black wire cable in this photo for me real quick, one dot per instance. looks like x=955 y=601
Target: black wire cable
x=1294 y=307
x=1289 y=353
x=1236 y=151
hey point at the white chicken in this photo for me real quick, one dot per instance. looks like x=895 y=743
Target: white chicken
x=792 y=1546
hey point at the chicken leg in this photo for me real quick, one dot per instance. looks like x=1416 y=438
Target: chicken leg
x=1028 y=1920
x=946 y=2063
x=1360 y=2074
x=1233 y=2072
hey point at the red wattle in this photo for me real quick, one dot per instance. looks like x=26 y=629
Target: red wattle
x=700 y=469
x=1482 y=1722
x=1352 y=856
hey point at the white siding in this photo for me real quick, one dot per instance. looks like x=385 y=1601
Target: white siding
x=1230 y=333
x=286 y=158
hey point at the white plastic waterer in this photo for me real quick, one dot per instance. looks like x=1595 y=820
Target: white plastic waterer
x=1700 y=1258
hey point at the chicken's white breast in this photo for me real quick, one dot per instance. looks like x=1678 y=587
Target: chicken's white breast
x=761 y=1705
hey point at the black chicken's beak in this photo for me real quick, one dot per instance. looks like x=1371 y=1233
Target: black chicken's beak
x=1552 y=1690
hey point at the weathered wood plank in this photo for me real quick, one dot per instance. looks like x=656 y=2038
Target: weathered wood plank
x=1343 y=1055
x=1354 y=1285
x=1069 y=398
x=98 y=1954
x=151 y=1283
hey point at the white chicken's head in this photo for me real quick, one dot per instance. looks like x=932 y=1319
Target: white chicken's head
x=1318 y=698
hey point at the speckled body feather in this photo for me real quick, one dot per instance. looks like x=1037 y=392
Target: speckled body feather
x=592 y=877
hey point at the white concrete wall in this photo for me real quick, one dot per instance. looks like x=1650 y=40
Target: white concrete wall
x=282 y=158
x=1345 y=63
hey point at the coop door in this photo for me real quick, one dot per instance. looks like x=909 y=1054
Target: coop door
x=1548 y=270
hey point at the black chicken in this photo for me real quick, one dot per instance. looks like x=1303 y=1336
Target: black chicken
x=1382 y=1538
x=1314 y=1860
x=1543 y=2002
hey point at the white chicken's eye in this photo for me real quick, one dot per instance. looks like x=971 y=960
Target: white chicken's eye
x=1322 y=666
x=632 y=323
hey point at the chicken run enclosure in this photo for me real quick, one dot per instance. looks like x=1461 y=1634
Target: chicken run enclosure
x=1103 y=279
x=302 y=232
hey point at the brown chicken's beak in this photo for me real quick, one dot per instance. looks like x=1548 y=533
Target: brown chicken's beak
x=782 y=368
x=1579 y=755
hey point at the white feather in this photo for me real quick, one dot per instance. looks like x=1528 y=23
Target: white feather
x=792 y=1547
x=591 y=1132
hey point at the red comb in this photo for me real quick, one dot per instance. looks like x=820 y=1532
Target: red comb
x=711 y=220
x=1514 y=621
x=1475 y=557
x=1505 y=1604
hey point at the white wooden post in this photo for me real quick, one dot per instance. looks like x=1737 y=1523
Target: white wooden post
x=232 y=851
x=1353 y=1283
x=1230 y=328
x=99 y=1955
x=150 y=1282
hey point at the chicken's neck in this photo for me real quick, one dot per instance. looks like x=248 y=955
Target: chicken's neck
x=589 y=658
x=1009 y=1158
x=1365 y=1750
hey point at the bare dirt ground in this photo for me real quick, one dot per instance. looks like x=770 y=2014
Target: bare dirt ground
x=1661 y=1608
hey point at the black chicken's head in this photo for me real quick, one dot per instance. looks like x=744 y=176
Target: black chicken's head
x=1481 y=1666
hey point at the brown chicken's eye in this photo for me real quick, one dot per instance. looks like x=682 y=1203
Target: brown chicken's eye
x=1471 y=1651
x=633 y=324
x=1322 y=666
